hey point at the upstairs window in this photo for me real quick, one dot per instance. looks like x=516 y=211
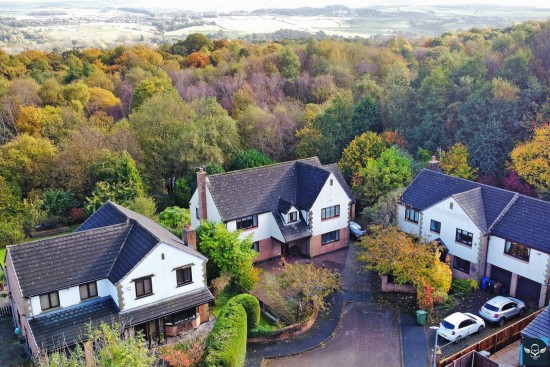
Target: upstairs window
x=292 y=217
x=517 y=250
x=197 y=213
x=250 y=221
x=412 y=215
x=49 y=300
x=88 y=290
x=144 y=287
x=330 y=212
x=435 y=226
x=464 y=237
x=184 y=276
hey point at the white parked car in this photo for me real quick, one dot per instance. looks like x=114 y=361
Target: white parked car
x=459 y=325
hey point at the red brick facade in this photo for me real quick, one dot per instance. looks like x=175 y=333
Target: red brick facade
x=316 y=248
x=269 y=248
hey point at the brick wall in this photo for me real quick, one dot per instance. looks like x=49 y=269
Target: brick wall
x=268 y=249
x=317 y=249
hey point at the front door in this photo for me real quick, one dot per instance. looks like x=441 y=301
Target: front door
x=284 y=249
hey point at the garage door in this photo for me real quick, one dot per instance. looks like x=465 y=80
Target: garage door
x=528 y=290
x=502 y=276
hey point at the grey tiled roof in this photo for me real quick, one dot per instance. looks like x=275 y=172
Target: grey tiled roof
x=258 y=190
x=507 y=214
x=67 y=326
x=527 y=221
x=291 y=232
x=539 y=327
x=167 y=307
x=107 y=245
x=472 y=203
x=61 y=262
x=284 y=206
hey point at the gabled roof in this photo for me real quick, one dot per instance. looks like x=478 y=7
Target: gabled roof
x=61 y=262
x=539 y=327
x=67 y=326
x=472 y=203
x=109 y=244
x=507 y=214
x=258 y=190
x=284 y=206
x=291 y=231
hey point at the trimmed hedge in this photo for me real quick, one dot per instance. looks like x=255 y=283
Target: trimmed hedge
x=251 y=306
x=226 y=344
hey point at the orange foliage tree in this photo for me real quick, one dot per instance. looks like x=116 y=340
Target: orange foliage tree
x=197 y=60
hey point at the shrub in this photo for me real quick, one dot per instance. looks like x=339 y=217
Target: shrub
x=262 y=331
x=219 y=284
x=251 y=306
x=226 y=344
x=186 y=353
x=463 y=286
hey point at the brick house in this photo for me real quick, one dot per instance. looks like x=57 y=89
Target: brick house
x=488 y=231
x=117 y=266
x=299 y=206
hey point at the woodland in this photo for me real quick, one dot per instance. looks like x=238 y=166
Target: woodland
x=131 y=124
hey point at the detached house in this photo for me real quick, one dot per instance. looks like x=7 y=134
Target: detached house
x=117 y=266
x=489 y=232
x=299 y=206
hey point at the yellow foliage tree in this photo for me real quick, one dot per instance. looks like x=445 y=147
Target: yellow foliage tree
x=101 y=100
x=454 y=162
x=532 y=159
x=30 y=120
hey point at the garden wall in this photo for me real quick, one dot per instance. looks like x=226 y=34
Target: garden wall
x=288 y=331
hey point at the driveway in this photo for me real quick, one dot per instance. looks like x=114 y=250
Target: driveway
x=368 y=333
x=367 y=336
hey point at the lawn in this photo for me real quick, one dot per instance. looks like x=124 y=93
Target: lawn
x=2 y=254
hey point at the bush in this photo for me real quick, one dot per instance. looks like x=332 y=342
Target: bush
x=251 y=306
x=262 y=331
x=226 y=344
x=463 y=286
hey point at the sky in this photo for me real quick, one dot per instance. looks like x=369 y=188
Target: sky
x=228 y=5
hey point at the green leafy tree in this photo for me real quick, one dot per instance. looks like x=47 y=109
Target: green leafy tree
x=144 y=205
x=290 y=64
x=360 y=150
x=230 y=254
x=175 y=219
x=196 y=42
x=58 y=204
x=119 y=181
x=11 y=210
x=454 y=162
x=382 y=175
x=149 y=87
x=365 y=116
x=249 y=158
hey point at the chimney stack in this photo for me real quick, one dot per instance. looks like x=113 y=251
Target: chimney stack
x=189 y=236
x=433 y=164
x=201 y=187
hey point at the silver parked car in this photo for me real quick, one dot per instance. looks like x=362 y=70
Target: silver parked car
x=500 y=308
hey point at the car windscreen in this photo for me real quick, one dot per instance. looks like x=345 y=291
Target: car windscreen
x=447 y=325
x=490 y=307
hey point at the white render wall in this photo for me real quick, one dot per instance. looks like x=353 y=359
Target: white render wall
x=71 y=296
x=263 y=231
x=405 y=225
x=164 y=280
x=451 y=219
x=193 y=205
x=330 y=196
x=535 y=269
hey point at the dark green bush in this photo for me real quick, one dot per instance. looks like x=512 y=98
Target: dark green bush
x=262 y=331
x=251 y=306
x=463 y=287
x=226 y=344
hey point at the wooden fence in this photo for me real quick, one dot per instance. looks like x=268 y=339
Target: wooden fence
x=495 y=342
x=5 y=312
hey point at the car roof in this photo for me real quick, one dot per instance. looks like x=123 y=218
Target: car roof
x=456 y=318
x=499 y=301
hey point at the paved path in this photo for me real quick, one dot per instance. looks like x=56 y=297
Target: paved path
x=367 y=334
x=413 y=336
x=12 y=353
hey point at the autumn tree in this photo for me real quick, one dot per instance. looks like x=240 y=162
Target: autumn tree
x=454 y=162
x=149 y=87
x=366 y=146
x=387 y=250
x=531 y=159
x=197 y=60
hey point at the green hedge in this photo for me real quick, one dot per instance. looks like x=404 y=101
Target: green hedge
x=251 y=306
x=226 y=344
x=262 y=331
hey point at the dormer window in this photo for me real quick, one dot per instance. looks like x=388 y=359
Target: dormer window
x=292 y=217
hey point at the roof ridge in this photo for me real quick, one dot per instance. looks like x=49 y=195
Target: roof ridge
x=303 y=160
x=75 y=233
x=462 y=193
x=504 y=211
